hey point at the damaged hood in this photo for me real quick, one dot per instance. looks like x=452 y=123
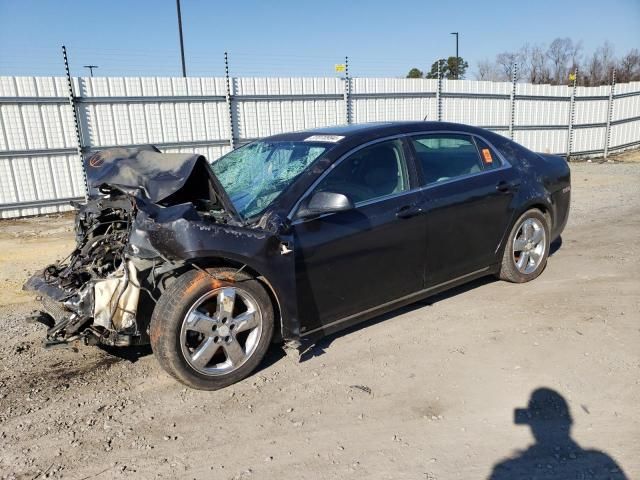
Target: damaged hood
x=155 y=175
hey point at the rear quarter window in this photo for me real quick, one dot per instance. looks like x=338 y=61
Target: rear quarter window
x=513 y=152
x=488 y=156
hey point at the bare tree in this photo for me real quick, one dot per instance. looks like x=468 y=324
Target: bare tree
x=487 y=71
x=538 y=65
x=598 y=68
x=628 y=69
x=576 y=55
x=608 y=59
x=505 y=62
x=592 y=70
x=524 y=61
x=553 y=65
x=561 y=52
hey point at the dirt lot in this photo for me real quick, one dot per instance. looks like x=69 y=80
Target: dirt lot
x=427 y=392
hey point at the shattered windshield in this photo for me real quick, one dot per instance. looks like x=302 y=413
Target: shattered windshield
x=254 y=175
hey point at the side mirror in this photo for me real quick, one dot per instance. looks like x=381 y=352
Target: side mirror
x=324 y=202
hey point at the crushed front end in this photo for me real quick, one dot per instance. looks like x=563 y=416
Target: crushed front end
x=105 y=290
x=94 y=294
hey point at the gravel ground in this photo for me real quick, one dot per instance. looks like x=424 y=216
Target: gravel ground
x=427 y=392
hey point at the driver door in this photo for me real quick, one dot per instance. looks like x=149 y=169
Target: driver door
x=352 y=261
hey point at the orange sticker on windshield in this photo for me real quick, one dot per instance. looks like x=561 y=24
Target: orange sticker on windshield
x=486 y=155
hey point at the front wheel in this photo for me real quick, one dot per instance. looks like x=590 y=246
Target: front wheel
x=527 y=248
x=212 y=329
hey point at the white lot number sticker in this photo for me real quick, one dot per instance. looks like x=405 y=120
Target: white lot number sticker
x=324 y=138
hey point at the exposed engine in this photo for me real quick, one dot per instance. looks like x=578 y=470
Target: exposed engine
x=97 y=284
x=105 y=291
x=101 y=236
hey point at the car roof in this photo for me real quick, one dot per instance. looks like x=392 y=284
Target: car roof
x=363 y=132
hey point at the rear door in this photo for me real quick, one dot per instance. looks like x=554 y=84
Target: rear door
x=469 y=191
x=352 y=261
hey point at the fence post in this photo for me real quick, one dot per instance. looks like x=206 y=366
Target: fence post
x=229 y=99
x=512 y=119
x=572 y=114
x=347 y=90
x=74 y=108
x=607 y=135
x=439 y=94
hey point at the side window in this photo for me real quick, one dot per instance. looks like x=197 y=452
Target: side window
x=446 y=156
x=487 y=155
x=370 y=173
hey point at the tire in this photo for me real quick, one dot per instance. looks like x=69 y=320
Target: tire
x=524 y=259
x=213 y=312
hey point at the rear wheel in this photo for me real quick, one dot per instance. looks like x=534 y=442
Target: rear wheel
x=210 y=330
x=527 y=248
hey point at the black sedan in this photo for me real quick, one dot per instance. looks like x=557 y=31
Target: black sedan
x=293 y=237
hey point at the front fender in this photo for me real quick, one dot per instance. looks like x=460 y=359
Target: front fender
x=197 y=240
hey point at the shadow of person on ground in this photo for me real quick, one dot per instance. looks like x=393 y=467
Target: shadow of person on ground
x=555 y=455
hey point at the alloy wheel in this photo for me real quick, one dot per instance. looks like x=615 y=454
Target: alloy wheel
x=221 y=331
x=529 y=245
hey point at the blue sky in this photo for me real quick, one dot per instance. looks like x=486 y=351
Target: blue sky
x=287 y=37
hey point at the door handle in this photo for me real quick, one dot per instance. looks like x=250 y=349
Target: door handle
x=507 y=187
x=409 y=211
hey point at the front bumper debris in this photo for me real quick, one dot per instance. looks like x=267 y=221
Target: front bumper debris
x=102 y=311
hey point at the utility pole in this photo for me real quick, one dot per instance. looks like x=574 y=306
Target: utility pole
x=76 y=118
x=347 y=90
x=607 y=135
x=90 y=67
x=457 y=55
x=184 y=69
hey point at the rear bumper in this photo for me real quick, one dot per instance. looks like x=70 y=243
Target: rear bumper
x=561 y=201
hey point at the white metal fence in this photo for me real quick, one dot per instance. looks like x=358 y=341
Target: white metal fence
x=44 y=125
